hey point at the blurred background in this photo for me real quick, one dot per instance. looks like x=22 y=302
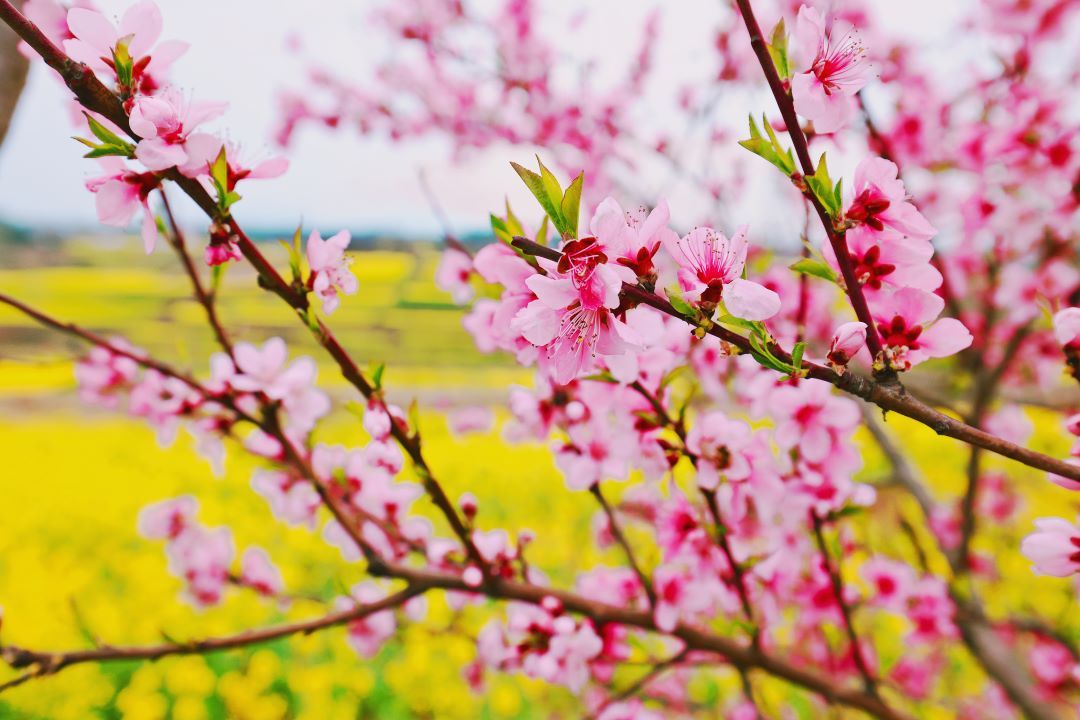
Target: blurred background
x=72 y=478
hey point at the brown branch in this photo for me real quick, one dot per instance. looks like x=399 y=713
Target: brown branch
x=802 y=152
x=94 y=96
x=620 y=538
x=887 y=395
x=740 y=656
x=50 y=663
x=999 y=662
x=837 y=585
x=204 y=298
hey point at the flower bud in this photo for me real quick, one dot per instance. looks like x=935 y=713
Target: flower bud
x=848 y=340
x=468 y=505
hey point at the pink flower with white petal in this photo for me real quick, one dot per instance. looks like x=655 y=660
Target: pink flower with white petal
x=711 y=268
x=719 y=443
x=632 y=238
x=167 y=519
x=1054 y=548
x=94 y=40
x=202 y=558
x=366 y=635
x=167 y=123
x=259 y=573
x=103 y=375
x=453 y=275
x=878 y=200
x=849 y=339
x=830 y=68
x=330 y=274
x=120 y=193
x=292 y=500
x=572 y=316
x=1067 y=327
x=910 y=331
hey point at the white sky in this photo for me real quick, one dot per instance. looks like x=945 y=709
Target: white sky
x=336 y=180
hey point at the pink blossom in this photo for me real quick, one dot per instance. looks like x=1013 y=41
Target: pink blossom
x=259 y=573
x=831 y=68
x=889 y=580
x=906 y=323
x=811 y=418
x=330 y=275
x=453 y=275
x=103 y=375
x=879 y=201
x=571 y=316
x=166 y=123
x=120 y=193
x=167 y=519
x=719 y=443
x=1067 y=327
x=849 y=339
x=632 y=237
x=1054 y=548
x=94 y=39
x=202 y=558
x=293 y=501
x=888 y=259
x=710 y=270
x=368 y=634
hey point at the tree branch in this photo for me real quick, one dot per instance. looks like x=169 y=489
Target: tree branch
x=888 y=396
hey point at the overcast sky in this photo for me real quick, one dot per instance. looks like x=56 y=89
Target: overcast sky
x=336 y=180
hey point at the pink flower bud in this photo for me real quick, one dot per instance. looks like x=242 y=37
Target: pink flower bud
x=552 y=604
x=848 y=340
x=472 y=576
x=468 y=505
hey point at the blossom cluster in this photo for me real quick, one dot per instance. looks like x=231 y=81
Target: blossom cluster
x=686 y=380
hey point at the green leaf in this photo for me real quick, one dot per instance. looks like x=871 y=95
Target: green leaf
x=735 y=322
x=377 y=375
x=561 y=207
x=103 y=133
x=571 y=204
x=498 y=226
x=542 y=233
x=513 y=225
x=808 y=266
x=778 y=49
x=797 y=354
x=769 y=149
x=679 y=303
x=123 y=63
x=823 y=188
x=535 y=183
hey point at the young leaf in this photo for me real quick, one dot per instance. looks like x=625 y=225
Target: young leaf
x=377 y=375
x=542 y=233
x=808 y=266
x=822 y=186
x=769 y=149
x=778 y=49
x=571 y=204
x=797 y=354
x=539 y=188
x=681 y=306
x=513 y=225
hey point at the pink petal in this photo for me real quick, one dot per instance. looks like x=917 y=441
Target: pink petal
x=750 y=301
x=143 y=20
x=93 y=29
